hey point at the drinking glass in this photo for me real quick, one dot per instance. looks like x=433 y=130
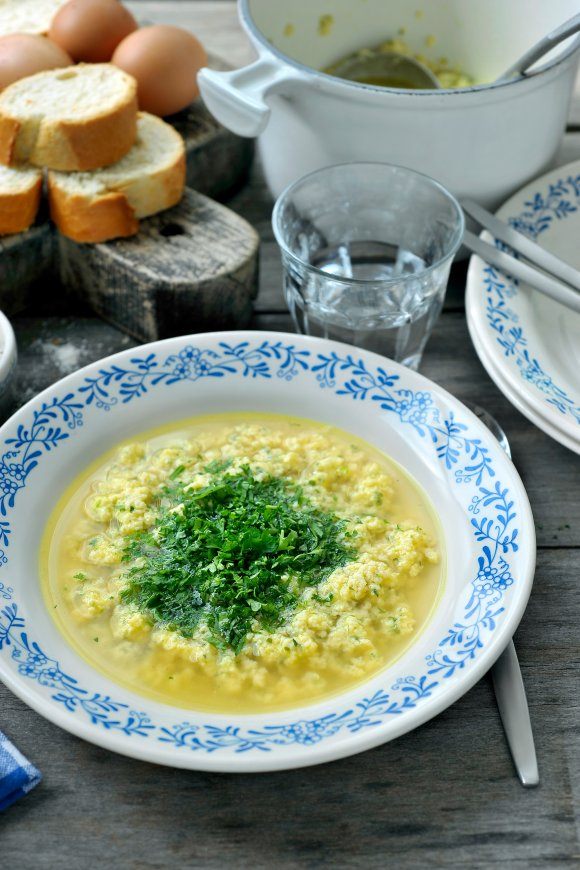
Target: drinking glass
x=366 y=250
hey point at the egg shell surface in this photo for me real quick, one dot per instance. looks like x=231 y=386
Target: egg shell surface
x=165 y=61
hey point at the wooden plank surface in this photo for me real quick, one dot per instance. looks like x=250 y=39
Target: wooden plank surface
x=191 y=268
x=443 y=796
x=51 y=348
x=215 y=22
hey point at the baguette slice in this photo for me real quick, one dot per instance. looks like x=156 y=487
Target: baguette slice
x=20 y=191
x=27 y=16
x=77 y=118
x=107 y=204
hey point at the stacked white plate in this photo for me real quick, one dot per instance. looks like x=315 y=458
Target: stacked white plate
x=529 y=345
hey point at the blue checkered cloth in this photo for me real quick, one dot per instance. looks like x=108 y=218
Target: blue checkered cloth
x=17 y=775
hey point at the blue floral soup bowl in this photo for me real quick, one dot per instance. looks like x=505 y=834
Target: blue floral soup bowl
x=484 y=514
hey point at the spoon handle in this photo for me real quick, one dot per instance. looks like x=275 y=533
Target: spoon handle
x=521 y=243
x=539 y=49
x=542 y=282
x=515 y=715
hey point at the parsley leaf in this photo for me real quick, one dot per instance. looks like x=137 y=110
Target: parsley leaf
x=239 y=551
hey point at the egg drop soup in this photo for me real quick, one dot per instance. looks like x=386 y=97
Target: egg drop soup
x=242 y=563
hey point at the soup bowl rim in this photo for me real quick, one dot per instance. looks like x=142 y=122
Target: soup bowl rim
x=326 y=373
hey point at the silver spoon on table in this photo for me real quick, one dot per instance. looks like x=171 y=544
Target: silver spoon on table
x=506 y=674
x=374 y=65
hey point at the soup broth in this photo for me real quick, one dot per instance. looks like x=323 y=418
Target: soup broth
x=242 y=563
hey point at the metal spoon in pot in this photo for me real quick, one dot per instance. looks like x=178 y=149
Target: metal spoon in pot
x=542 y=47
x=385 y=68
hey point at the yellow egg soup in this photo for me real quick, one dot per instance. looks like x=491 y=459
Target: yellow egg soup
x=242 y=562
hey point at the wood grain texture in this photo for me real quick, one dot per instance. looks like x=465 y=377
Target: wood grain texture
x=444 y=796
x=216 y=24
x=549 y=471
x=191 y=268
x=25 y=260
x=218 y=162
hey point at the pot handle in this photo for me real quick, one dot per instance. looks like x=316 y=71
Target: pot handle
x=237 y=98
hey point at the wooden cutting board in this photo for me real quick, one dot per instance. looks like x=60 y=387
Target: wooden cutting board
x=192 y=267
x=25 y=261
x=217 y=161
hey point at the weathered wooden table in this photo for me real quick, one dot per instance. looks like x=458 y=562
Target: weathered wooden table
x=443 y=796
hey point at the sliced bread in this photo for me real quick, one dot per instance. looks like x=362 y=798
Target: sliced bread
x=20 y=191
x=107 y=204
x=27 y=16
x=78 y=118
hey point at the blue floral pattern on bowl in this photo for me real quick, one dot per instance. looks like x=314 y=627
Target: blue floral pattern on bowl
x=560 y=200
x=462 y=452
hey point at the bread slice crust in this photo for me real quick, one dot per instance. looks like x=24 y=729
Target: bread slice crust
x=70 y=145
x=115 y=212
x=18 y=208
x=110 y=216
x=98 y=220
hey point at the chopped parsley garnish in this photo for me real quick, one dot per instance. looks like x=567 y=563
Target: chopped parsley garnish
x=238 y=551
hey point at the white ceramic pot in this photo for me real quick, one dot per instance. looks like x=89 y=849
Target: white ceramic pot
x=481 y=142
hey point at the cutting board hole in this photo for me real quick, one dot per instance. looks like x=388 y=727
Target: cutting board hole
x=170 y=230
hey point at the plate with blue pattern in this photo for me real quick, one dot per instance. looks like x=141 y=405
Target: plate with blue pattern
x=515 y=398
x=533 y=342
x=485 y=518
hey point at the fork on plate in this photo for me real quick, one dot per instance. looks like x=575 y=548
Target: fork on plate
x=544 y=271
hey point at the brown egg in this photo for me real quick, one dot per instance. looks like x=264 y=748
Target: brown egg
x=165 y=61
x=91 y=30
x=23 y=54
